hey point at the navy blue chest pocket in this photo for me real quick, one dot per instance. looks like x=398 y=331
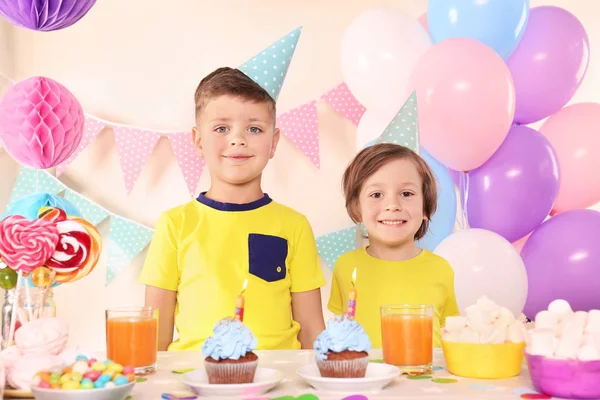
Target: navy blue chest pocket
x=267 y=255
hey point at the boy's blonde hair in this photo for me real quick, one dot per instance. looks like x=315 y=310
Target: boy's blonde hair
x=232 y=82
x=369 y=160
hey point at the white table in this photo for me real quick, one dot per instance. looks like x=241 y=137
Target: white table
x=288 y=361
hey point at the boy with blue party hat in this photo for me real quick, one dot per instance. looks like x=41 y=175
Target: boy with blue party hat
x=203 y=251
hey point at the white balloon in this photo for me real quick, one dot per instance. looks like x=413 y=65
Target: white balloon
x=379 y=51
x=485 y=263
x=370 y=127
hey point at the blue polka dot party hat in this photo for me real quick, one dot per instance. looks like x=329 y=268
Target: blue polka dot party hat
x=269 y=67
x=404 y=128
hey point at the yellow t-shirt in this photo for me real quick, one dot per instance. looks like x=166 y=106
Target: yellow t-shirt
x=205 y=249
x=424 y=279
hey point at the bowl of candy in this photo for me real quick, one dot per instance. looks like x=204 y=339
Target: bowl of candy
x=563 y=352
x=85 y=380
x=486 y=343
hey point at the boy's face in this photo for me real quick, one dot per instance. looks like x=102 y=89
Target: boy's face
x=236 y=138
x=391 y=203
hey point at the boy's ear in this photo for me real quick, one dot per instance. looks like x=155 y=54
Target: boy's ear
x=275 y=141
x=197 y=141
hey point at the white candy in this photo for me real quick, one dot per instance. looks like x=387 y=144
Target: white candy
x=496 y=335
x=505 y=318
x=541 y=342
x=468 y=335
x=516 y=332
x=479 y=321
x=570 y=340
x=588 y=353
x=546 y=320
x=561 y=308
x=593 y=322
x=488 y=307
x=451 y=336
x=455 y=324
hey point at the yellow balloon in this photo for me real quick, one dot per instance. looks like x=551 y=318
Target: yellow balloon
x=41 y=277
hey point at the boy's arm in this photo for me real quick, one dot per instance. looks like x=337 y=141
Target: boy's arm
x=307 y=311
x=307 y=279
x=451 y=306
x=335 y=304
x=164 y=301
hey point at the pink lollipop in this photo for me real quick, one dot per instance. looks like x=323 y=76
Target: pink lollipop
x=26 y=245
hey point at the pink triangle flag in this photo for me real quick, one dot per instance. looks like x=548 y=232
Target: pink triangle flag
x=301 y=126
x=190 y=163
x=91 y=128
x=134 y=147
x=342 y=100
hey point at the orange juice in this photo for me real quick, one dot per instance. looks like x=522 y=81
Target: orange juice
x=407 y=340
x=132 y=341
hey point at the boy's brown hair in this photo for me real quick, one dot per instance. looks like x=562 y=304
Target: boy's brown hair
x=369 y=160
x=232 y=82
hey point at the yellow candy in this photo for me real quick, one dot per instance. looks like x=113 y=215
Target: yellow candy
x=65 y=378
x=70 y=385
x=41 y=277
x=98 y=366
x=76 y=376
x=117 y=368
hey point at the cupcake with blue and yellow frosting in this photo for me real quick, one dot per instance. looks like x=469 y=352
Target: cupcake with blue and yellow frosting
x=343 y=349
x=229 y=353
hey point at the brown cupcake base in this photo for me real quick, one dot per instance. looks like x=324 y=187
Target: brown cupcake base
x=228 y=371
x=345 y=364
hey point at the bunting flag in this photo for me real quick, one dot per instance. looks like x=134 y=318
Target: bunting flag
x=126 y=240
x=301 y=126
x=342 y=100
x=190 y=163
x=91 y=128
x=126 y=237
x=134 y=147
x=403 y=129
x=332 y=245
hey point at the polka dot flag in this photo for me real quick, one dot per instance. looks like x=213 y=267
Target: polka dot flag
x=403 y=129
x=301 y=126
x=89 y=211
x=269 y=67
x=134 y=147
x=189 y=161
x=332 y=245
x=91 y=128
x=32 y=181
x=342 y=100
x=126 y=240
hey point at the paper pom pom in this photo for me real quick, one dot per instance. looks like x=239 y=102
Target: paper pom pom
x=41 y=122
x=45 y=15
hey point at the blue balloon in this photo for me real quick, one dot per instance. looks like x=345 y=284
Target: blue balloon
x=442 y=222
x=500 y=24
x=29 y=206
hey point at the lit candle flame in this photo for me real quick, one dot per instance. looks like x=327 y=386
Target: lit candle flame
x=354 y=276
x=244 y=285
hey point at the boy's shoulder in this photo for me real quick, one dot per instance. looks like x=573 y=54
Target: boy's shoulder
x=287 y=212
x=349 y=260
x=438 y=262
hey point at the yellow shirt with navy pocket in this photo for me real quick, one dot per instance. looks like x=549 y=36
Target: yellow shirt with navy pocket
x=424 y=279
x=204 y=250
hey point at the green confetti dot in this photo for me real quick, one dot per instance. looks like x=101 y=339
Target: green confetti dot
x=307 y=397
x=437 y=368
x=183 y=371
x=283 y=398
x=444 y=380
x=140 y=379
x=417 y=377
x=376 y=361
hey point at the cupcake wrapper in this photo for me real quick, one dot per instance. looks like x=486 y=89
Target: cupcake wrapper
x=356 y=368
x=230 y=373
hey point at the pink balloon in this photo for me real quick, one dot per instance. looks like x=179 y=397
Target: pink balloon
x=574 y=133
x=518 y=245
x=466 y=102
x=41 y=122
x=423 y=21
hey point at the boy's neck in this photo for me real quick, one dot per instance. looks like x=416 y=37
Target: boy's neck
x=235 y=194
x=400 y=252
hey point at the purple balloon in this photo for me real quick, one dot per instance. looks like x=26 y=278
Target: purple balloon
x=515 y=189
x=549 y=63
x=562 y=259
x=44 y=15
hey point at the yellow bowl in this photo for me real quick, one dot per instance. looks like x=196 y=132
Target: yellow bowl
x=484 y=361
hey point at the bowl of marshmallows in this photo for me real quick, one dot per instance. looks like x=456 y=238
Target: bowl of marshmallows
x=563 y=352
x=487 y=342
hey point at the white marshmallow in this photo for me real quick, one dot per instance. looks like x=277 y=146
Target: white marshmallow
x=546 y=320
x=505 y=318
x=488 y=307
x=561 y=308
x=468 y=335
x=496 y=335
x=588 y=353
x=479 y=321
x=455 y=324
x=516 y=332
x=451 y=336
x=570 y=340
x=593 y=322
x=541 y=342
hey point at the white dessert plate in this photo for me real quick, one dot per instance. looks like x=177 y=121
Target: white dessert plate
x=116 y=393
x=265 y=379
x=377 y=377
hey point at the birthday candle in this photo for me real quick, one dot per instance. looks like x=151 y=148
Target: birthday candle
x=239 y=303
x=351 y=311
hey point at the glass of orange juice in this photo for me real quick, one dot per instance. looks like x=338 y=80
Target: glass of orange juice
x=407 y=336
x=132 y=337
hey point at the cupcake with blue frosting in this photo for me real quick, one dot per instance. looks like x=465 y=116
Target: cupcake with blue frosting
x=343 y=349
x=229 y=353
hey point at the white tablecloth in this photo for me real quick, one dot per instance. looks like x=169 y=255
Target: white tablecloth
x=165 y=381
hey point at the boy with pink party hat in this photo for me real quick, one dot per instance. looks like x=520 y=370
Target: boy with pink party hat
x=203 y=251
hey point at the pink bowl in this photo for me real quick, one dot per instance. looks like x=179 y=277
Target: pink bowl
x=569 y=379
